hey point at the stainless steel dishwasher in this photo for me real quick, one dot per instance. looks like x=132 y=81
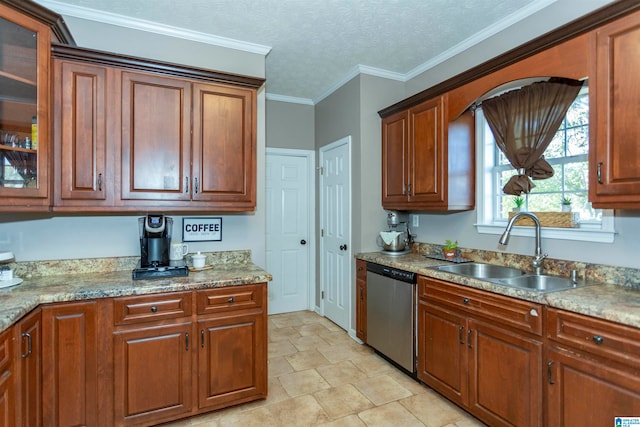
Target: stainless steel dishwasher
x=391 y=314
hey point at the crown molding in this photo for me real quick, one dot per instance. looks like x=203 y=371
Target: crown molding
x=290 y=99
x=481 y=36
x=153 y=27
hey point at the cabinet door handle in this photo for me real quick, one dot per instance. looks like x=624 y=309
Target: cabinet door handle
x=231 y=299
x=195 y=185
x=202 y=338
x=154 y=309
x=599 y=172
x=186 y=341
x=186 y=184
x=99 y=182
x=29 y=345
x=549 y=372
x=466 y=300
x=598 y=339
x=361 y=296
x=469 y=338
x=460 y=339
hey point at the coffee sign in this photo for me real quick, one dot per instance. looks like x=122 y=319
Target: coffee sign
x=202 y=229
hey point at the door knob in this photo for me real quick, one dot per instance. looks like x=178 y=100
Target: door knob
x=303 y=242
x=343 y=247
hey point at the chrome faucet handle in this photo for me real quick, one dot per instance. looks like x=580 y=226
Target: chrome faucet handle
x=537 y=262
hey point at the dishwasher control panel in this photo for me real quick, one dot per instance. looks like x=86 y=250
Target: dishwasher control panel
x=394 y=273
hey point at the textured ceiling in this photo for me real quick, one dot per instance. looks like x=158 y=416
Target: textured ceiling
x=315 y=44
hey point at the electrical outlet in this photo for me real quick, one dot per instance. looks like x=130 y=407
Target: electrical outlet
x=415 y=221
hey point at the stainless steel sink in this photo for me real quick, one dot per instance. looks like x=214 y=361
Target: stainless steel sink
x=540 y=283
x=482 y=271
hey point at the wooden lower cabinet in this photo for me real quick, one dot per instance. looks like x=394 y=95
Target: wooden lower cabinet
x=593 y=370
x=28 y=357
x=7 y=380
x=183 y=353
x=152 y=373
x=587 y=391
x=70 y=352
x=230 y=347
x=361 y=300
x=484 y=365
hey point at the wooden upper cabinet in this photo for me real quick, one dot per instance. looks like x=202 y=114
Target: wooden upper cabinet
x=83 y=170
x=427 y=162
x=614 y=149
x=156 y=138
x=224 y=153
x=426 y=154
x=24 y=105
x=395 y=151
x=134 y=134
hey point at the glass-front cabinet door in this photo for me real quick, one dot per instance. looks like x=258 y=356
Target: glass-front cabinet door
x=24 y=111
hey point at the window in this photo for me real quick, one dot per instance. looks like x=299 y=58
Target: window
x=568 y=155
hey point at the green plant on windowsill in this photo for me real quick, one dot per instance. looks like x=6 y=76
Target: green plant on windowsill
x=566 y=204
x=519 y=202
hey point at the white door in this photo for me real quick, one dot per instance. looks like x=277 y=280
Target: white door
x=335 y=225
x=288 y=231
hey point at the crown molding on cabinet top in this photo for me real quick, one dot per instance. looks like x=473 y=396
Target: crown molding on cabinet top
x=46 y=16
x=144 y=64
x=573 y=29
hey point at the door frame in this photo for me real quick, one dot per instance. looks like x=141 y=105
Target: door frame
x=342 y=141
x=310 y=157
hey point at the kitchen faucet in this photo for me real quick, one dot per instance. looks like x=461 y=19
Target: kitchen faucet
x=537 y=261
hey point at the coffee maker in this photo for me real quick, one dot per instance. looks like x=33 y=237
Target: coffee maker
x=155 y=241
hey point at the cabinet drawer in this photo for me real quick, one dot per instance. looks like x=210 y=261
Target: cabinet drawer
x=519 y=314
x=599 y=337
x=149 y=308
x=229 y=298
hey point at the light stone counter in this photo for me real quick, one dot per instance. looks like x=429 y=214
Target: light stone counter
x=611 y=302
x=19 y=300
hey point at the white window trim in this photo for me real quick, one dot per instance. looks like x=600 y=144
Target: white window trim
x=604 y=233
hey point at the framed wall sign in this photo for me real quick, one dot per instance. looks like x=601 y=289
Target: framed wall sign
x=201 y=229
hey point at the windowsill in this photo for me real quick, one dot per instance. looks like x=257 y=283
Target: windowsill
x=580 y=234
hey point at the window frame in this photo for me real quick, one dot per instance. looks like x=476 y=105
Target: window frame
x=602 y=232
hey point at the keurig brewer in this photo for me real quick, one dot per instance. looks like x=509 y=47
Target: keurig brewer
x=155 y=243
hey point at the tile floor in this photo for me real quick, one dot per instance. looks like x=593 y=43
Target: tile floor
x=319 y=376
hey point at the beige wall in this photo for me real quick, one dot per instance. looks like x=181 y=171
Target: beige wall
x=290 y=125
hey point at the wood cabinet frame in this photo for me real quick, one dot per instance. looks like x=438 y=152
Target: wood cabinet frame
x=210 y=113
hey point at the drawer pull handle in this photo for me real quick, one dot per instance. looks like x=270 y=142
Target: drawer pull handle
x=466 y=300
x=230 y=300
x=202 y=338
x=186 y=341
x=154 y=309
x=29 y=345
x=598 y=339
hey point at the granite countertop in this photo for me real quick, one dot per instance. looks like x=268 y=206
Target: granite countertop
x=19 y=300
x=611 y=302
